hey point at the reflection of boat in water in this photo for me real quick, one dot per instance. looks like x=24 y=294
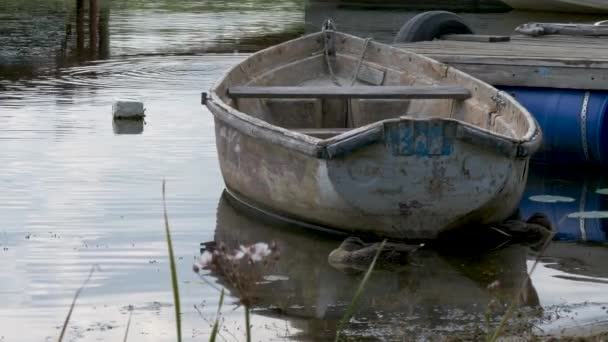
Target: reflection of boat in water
x=572 y=199
x=434 y=293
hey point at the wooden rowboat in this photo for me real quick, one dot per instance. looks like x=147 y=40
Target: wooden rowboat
x=345 y=133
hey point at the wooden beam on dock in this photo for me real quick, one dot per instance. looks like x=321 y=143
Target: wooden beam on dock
x=476 y=38
x=547 y=61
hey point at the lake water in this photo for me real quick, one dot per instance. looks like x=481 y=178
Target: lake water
x=77 y=193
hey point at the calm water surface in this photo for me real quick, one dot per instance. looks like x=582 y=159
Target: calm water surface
x=76 y=193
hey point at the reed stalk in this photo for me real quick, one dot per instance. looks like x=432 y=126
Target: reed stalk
x=247 y=324
x=216 y=324
x=353 y=304
x=174 y=284
x=128 y=324
x=76 y=295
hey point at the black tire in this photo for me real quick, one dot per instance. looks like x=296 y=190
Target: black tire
x=431 y=25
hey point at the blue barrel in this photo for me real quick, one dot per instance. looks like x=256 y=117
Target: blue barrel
x=563 y=192
x=573 y=123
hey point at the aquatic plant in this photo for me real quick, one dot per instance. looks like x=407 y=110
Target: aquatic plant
x=174 y=285
x=128 y=323
x=216 y=324
x=242 y=270
x=353 y=304
x=76 y=295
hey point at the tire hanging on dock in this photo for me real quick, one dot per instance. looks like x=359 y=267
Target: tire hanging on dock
x=431 y=25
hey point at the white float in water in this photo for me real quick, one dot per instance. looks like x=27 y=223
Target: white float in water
x=128 y=109
x=551 y=199
x=589 y=215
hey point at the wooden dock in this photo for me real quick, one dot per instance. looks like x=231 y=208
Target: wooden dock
x=492 y=6
x=572 y=62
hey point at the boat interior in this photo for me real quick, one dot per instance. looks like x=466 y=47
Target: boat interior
x=321 y=93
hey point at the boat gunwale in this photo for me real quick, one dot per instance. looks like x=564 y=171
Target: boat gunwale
x=300 y=142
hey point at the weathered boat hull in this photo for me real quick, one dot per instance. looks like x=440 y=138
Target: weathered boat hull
x=572 y=6
x=403 y=177
x=372 y=191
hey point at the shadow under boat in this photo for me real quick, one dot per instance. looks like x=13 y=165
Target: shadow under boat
x=434 y=293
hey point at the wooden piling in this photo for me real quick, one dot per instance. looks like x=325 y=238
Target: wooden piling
x=79 y=26
x=93 y=27
x=104 y=31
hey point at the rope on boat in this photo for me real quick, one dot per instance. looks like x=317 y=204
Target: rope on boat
x=353 y=79
x=328 y=25
x=333 y=77
x=360 y=61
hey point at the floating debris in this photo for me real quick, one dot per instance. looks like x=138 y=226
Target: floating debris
x=551 y=199
x=128 y=109
x=271 y=278
x=603 y=191
x=589 y=215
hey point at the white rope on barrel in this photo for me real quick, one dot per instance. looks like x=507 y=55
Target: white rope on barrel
x=583 y=116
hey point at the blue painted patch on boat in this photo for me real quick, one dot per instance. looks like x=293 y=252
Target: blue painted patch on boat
x=544 y=71
x=420 y=138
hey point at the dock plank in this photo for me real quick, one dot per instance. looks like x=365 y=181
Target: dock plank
x=546 y=61
x=476 y=38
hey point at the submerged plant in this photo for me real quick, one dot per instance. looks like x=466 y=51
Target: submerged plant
x=242 y=270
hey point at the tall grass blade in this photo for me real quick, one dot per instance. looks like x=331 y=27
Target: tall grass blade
x=76 y=295
x=216 y=325
x=247 y=324
x=128 y=324
x=174 y=285
x=353 y=304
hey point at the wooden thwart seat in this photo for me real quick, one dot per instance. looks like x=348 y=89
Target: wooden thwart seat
x=361 y=92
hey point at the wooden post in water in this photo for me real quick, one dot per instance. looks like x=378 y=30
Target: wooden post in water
x=104 y=30
x=93 y=27
x=79 y=28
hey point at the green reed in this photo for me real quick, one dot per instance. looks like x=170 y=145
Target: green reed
x=174 y=284
x=353 y=304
